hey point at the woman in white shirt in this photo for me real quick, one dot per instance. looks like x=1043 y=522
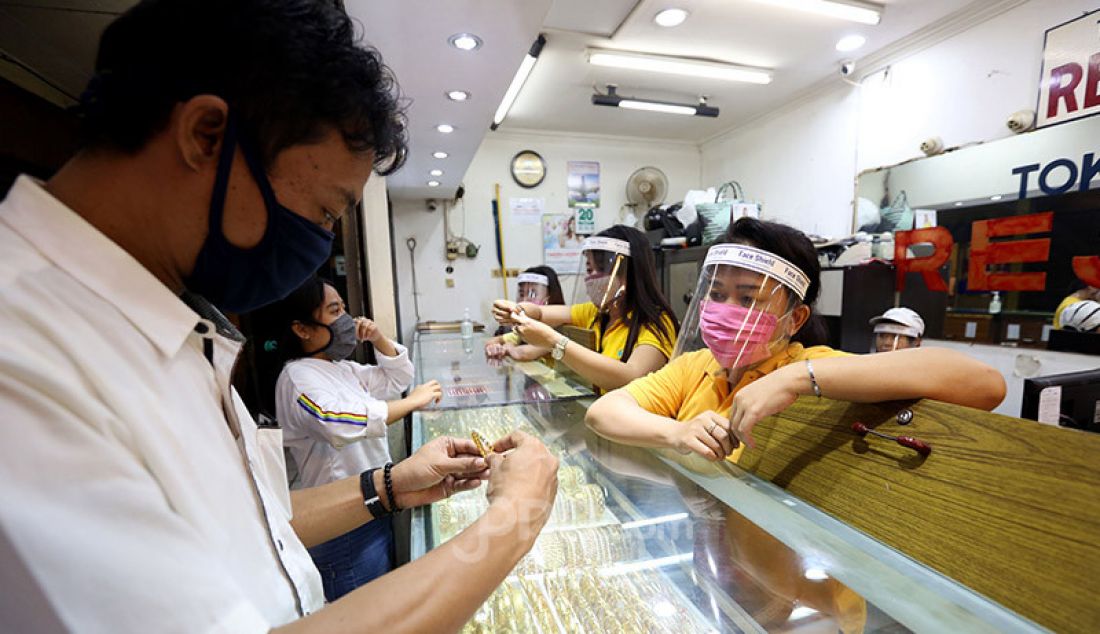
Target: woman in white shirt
x=334 y=414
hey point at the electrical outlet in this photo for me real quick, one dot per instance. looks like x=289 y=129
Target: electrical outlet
x=450 y=282
x=509 y=273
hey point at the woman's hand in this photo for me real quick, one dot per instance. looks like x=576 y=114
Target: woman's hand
x=707 y=435
x=495 y=350
x=763 y=397
x=536 y=333
x=440 y=468
x=505 y=311
x=367 y=330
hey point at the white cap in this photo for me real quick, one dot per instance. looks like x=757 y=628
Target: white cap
x=1082 y=316
x=899 y=321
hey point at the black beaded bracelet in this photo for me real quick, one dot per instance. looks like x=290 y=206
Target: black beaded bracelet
x=389 y=487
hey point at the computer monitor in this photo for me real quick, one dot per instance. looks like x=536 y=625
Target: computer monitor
x=1069 y=400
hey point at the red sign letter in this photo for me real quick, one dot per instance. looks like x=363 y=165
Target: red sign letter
x=984 y=253
x=1059 y=92
x=1087 y=269
x=1092 y=96
x=928 y=267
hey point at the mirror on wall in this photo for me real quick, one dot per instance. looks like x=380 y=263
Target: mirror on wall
x=1010 y=217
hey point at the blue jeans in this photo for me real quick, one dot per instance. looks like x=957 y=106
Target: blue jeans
x=355 y=558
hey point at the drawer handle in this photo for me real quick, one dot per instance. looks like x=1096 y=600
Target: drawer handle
x=915 y=444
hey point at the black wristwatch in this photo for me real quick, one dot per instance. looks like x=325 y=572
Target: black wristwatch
x=371 y=499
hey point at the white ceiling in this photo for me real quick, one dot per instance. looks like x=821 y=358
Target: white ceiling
x=57 y=39
x=798 y=46
x=412 y=37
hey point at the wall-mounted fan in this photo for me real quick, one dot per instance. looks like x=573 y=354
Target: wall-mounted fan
x=646 y=187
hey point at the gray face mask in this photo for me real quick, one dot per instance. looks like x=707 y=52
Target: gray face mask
x=343 y=340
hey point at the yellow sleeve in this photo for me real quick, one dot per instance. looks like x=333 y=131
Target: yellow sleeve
x=650 y=337
x=511 y=338
x=582 y=315
x=820 y=352
x=662 y=392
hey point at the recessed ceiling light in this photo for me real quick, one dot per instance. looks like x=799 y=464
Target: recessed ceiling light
x=439 y=155
x=670 y=17
x=458 y=95
x=445 y=128
x=435 y=173
x=997 y=197
x=850 y=43
x=465 y=41
x=959 y=204
x=433 y=183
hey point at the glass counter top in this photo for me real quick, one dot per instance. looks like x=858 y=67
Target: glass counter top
x=471 y=380
x=646 y=541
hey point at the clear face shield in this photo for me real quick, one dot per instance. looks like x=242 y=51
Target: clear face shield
x=603 y=272
x=743 y=307
x=532 y=288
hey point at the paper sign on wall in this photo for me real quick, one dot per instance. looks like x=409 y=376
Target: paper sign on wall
x=561 y=246
x=586 y=221
x=583 y=183
x=527 y=211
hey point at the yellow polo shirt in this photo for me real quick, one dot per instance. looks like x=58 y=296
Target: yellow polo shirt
x=694 y=383
x=613 y=342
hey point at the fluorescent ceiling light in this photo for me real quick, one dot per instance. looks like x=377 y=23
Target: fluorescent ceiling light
x=612 y=98
x=678 y=66
x=433 y=183
x=520 y=78
x=850 y=43
x=997 y=197
x=435 y=173
x=853 y=10
x=465 y=41
x=670 y=17
x=445 y=128
x=440 y=155
x=633 y=104
x=458 y=95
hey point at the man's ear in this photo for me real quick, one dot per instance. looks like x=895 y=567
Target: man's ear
x=799 y=318
x=199 y=125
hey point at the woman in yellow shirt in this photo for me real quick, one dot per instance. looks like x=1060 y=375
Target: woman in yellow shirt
x=747 y=351
x=537 y=285
x=633 y=322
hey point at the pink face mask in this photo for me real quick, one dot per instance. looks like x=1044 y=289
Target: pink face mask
x=736 y=335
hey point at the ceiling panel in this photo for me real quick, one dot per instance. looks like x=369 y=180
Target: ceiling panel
x=413 y=42
x=798 y=46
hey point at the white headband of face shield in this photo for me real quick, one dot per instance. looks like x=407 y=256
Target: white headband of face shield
x=761 y=261
x=533 y=278
x=612 y=245
x=897 y=329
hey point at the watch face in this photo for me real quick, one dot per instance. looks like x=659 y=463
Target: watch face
x=528 y=169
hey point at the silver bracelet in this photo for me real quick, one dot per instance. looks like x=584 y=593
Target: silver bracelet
x=813 y=379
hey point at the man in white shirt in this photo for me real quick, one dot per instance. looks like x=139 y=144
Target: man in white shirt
x=136 y=494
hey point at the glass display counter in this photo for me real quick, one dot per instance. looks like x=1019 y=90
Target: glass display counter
x=471 y=380
x=648 y=541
